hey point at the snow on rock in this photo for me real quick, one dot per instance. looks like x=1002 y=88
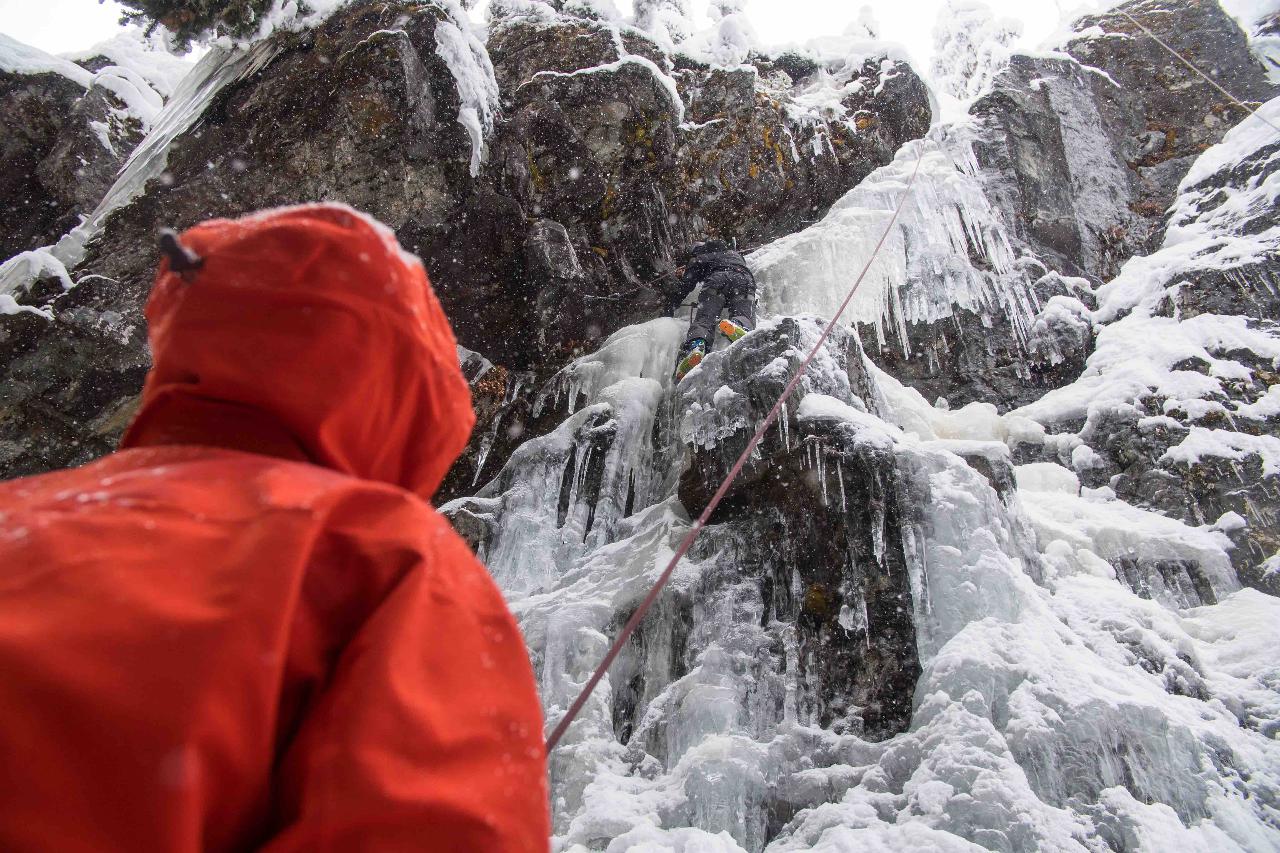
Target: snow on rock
x=211 y=75
x=668 y=21
x=1047 y=477
x=19 y=58
x=1217 y=223
x=131 y=49
x=1261 y=20
x=468 y=61
x=32 y=266
x=970 y=45
x=1140 y=348
x=1226 y=444
x=1157 y=355
x=663 y=79
x=139 y=76
x=891 y=636
x=1175 y=402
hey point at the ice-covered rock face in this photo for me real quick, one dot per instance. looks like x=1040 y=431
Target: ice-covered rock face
x=1008 y=620
x=984 y=290
x=1176 y=403
x=886 y=637
x=1086 y=672
x=546 y=170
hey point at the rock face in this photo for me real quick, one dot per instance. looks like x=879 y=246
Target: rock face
x=1079 y=156
x=542 y=233
x=816 y=520
x=762 y=698
x=802 y=609
x=1039 y=553
x=1195 y=442
x=60 y=147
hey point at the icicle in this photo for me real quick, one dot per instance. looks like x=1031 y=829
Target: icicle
x=844 y=506
x=866 y=620
x=822 y=474
x=877 y=533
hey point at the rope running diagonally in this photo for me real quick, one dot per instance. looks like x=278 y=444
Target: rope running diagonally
x=687 y=542
x=1253 y=111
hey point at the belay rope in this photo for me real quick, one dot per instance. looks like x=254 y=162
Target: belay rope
x=687 y=542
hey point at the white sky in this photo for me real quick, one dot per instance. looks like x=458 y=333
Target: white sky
x=66 y=25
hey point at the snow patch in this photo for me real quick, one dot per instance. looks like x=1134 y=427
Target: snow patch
x=468 y=61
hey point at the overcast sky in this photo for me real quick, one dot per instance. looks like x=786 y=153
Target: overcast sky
x=66 y=25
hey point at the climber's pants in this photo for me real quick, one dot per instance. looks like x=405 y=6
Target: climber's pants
x=727 y=288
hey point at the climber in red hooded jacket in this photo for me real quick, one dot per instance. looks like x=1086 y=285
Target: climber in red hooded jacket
x=248 y=628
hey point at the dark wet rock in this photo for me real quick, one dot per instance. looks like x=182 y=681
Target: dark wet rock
x=360 y=110
x=1168 y=102
x=750 y=172
x=1052 y=163
x=815 y=519
x=528 y=48
x=60 y=148
x=79 y=414
x=604 y=155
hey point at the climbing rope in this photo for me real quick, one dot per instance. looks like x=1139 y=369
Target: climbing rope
x=687 y=542
x=1253 y=111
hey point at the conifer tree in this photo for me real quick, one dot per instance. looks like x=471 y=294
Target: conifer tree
x=189 y=20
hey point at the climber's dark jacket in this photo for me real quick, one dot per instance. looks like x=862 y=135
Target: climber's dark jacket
x=726 y=282
x=702 y=264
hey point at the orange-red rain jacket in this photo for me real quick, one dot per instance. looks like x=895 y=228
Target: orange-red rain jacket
x=249 y=628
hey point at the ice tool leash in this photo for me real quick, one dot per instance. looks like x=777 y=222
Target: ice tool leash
x=687 y=542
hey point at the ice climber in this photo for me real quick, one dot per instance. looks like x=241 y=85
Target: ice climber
x=726 y=282
x=248 y=628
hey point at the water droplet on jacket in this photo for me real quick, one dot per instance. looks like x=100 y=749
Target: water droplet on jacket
x=180 y=768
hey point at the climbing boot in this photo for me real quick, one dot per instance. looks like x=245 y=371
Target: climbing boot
x=732 y=330
x=690 y=357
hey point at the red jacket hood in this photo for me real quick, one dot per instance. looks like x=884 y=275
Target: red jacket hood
x=307 y=333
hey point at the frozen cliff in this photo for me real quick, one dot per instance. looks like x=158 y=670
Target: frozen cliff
x=1003 y=576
